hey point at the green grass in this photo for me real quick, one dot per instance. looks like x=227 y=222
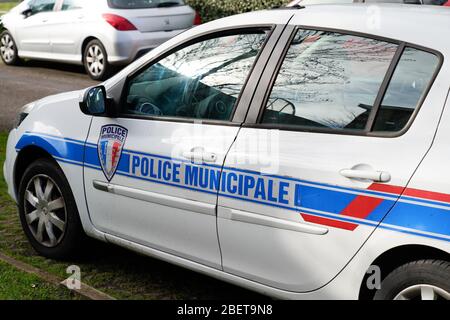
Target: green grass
x=18 y=285
x=5 y=6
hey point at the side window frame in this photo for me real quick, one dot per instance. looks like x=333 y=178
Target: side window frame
x=55 y=6
x=256 y=123
x=237 y=118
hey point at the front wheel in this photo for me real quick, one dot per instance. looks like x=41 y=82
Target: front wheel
x=418 y=280
x=48 y=212
x=8 y=49
x=95 y=61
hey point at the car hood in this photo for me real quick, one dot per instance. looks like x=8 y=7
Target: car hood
x=76 y=96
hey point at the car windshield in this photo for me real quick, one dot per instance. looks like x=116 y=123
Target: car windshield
x=143 y=4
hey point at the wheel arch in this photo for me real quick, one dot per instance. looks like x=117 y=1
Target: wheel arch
x=25 y=158
x=397 y=256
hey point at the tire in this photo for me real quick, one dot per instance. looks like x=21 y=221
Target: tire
x=418 y=280
x=67 y=238
x=8 y=49
x=95 y=60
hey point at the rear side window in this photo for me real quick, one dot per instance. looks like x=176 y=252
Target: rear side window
x=328 y=80
x=72 y=5
x=408 y=85
x=333 y=81
x=143 y=4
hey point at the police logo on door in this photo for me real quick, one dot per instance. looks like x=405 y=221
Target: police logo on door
x=110 y=145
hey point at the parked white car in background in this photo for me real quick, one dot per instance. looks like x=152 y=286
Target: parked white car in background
x=301 y=153
x=99 y=34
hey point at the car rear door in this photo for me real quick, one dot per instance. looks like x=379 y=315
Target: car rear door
x=67 y=29
x=152 y=174
x=332 y=137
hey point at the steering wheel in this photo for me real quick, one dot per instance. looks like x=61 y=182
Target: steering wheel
x=212 y=108
x=145 y=105
x=288 y=104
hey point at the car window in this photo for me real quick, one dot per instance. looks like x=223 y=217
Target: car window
x=72 y=4
x=328 y=80
x=409 y=83
x=201 y=81
x=38 y=6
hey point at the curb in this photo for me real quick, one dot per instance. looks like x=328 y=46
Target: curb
x=86 y=291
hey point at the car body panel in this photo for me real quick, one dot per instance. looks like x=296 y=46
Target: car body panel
x=268 y=248
x=48 y=136
x=159 y=19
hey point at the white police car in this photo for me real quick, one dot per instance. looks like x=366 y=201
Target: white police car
x=301 y=153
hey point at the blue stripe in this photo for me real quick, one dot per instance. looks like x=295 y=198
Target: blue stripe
x=313 y=196
x=92 y=158
x=419 y=218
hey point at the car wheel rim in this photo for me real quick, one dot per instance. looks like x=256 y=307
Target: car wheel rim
x=45 y=211
x=95 y=60
x=7 y=48
x=423 y=292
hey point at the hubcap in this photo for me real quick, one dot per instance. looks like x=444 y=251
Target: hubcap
x=95 y=60
x=45 y=211
x=423 y=292
x=7 y=48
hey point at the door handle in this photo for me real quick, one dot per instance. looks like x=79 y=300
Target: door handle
x=44 y=20
x=198 y=155
x=376 y=176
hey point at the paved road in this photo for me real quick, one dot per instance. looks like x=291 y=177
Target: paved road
x=32 y=81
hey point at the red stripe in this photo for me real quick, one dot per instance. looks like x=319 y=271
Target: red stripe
x=115 y=152
x=424 y=194
x=329 y=222
x=386 y=188
x=361 y=207
x=427 y=195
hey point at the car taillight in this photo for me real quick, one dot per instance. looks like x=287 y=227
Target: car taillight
x=197 y=19
x=118 y=22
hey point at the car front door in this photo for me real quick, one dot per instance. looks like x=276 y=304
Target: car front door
x=33 y=32
x=324 y=154
x=152 y=174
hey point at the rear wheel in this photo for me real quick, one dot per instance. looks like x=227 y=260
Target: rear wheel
x=8 y=49
x=48 y=212
x=418 y=280
x=95 y=61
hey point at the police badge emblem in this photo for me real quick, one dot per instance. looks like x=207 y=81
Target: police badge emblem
x=110 y=145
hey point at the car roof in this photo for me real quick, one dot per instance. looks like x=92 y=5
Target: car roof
x=427 y=26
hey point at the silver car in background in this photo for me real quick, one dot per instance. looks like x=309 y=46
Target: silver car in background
x=100 y=34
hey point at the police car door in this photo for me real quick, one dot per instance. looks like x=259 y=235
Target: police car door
x=315 y=170
x=152 y=174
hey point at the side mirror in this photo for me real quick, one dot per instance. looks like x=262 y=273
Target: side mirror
x=96 y=103
x=27 y=12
